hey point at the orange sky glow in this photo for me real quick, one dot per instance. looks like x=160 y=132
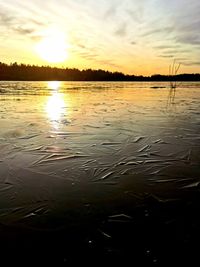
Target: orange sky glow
x=134 y=37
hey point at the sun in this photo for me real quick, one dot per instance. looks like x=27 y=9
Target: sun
x=52 y=46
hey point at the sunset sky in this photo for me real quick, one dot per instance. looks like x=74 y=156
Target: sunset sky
x=131 y=36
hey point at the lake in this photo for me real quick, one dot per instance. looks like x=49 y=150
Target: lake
x=105 y=171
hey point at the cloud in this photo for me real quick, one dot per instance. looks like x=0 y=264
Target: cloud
x=80 y=45
x=136 y=15
x=188 y=38
x=122 y=30
x=96 y=59
x=36 y=22
x=191 y=63
x=111 y=11
x=84 y=51
x=167 y=56
x=6 y=19
x=188 y=32
x=87 y=55
x=166 y=46
x=107 y=62
x=18 y=24
x=164 y=30
x=184 y=16
x=133 y=43
x=181 y=58
x=24 y=31
x=175 y=51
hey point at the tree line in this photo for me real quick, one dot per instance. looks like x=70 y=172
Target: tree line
x=26 y=72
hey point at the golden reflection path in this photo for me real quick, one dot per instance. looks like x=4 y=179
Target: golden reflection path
x=55 y=106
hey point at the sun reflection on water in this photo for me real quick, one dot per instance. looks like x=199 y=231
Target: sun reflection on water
x=54 y=85
x=55 y=106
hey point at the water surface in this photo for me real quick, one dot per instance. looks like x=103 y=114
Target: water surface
x=96 y=158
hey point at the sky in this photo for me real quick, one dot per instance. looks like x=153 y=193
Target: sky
x=140 y=37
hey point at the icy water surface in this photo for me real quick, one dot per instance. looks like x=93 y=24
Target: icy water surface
x=107 y=169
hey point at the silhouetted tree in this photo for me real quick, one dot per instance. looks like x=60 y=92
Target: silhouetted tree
x=23 y=72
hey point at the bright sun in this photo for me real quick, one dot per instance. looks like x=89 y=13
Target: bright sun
x=53 y=46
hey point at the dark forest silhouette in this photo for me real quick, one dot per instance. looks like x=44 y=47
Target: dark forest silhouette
x=22 y=72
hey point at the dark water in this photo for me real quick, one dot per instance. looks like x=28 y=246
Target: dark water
x=102 y=172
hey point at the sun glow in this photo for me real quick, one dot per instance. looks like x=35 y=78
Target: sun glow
x=53 y=46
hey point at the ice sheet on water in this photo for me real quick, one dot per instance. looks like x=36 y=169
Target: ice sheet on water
x=109 y=138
